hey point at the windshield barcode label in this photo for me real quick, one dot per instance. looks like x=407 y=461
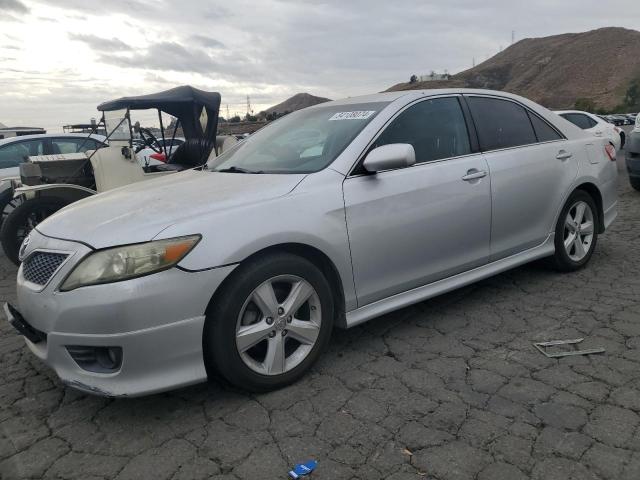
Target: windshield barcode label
x=357 y=115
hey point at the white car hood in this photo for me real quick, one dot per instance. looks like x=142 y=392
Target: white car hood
x=140 y=211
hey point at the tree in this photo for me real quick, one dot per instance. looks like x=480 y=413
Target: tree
x=234 y=119
x=632 y=97
x=413 y=79
x=585 y=104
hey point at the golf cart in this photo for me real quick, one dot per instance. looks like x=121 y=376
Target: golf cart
x=48 y=183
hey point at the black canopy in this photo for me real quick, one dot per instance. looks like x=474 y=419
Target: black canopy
x=189 y=105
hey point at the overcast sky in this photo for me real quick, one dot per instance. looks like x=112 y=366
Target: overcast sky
x=60 y=58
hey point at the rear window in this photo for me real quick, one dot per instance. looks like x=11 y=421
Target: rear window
x=579 y=120
x=500 y=123
x=544 y=131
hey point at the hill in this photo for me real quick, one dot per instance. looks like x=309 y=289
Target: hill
x=297 y=102
x=597 y=69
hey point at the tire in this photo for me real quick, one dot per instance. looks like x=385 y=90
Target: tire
x=622 y=140
x=5 y=198
x=21 y=221
x=233 y=311
x=635 y=182
x=570 y=258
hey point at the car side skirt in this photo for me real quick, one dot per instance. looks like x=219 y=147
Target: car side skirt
x=404 y=299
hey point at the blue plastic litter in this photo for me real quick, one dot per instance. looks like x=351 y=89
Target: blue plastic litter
x=303 y=469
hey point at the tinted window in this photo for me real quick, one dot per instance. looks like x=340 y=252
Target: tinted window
x=72 y=145
x=580 y=120
x=501 y=123
x=544 y=131
x=13 y=154
x=436 y=129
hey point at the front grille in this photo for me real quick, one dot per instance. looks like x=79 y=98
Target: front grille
x=39 y=267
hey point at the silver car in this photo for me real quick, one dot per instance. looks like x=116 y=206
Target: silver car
x=329 y=216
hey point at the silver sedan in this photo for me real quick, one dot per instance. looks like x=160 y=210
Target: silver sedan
x=329 y=216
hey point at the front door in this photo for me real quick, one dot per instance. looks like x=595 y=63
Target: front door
x=413 y=226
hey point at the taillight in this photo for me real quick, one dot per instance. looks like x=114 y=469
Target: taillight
x=611 y=152
x=159 y=156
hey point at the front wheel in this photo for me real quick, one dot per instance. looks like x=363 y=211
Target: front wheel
x=269 y=324
x=576 y=232
x=17 y=225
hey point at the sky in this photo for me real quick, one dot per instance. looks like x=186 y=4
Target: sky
x=60 y=58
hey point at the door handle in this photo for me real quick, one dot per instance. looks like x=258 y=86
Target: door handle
x=474 y=174
x=563 y=155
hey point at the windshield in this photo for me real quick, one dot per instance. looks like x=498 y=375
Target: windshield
x=301 y=142
x=117 y=125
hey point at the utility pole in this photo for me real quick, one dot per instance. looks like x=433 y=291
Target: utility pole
x=227 y=111
x=249 y=110
x=473 y=62
x=513 y=36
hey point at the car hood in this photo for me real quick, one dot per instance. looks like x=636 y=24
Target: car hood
x=140 y=211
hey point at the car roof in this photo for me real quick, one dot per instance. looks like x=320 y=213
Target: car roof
x=391 y=96
x=8 y=140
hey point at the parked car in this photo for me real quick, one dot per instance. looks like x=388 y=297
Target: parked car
x=48 y=184
x=15 y=150
x=595 y=125
x=242 y=269
x=632 y=156
x=615 y=120
x=150 y=156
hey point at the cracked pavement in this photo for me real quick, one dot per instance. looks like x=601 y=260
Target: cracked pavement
x=451 y=388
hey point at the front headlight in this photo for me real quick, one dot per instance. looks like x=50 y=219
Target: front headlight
x=129 y=261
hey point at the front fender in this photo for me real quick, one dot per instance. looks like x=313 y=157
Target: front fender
x=69 y=192
x=312 y=215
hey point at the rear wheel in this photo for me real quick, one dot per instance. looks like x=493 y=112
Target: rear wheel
x=269 y=323
x=18 y=223
x=576 y=232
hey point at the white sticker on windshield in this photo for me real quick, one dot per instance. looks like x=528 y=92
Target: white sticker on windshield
x=357 y=115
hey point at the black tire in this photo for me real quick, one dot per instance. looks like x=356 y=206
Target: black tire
x=5 y=198
x=222 y=358
x=561 y=259
x=21 y=221
x=623 y=139
x=635 y=182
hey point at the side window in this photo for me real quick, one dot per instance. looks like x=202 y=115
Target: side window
x=14 y=154
x=500 y=123
x=580 y=120
x=72 y=145
x=436 y=129
x=544 y=131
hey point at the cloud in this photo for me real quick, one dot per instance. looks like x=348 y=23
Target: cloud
x=168 y=56
x=101 y=44
x=13 y=6
x=207 y=42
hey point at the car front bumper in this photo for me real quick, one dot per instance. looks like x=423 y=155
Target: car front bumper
x=157 y=320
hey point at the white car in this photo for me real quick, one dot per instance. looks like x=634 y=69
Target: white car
x=148 y=156
x=596 y=125
x=14 y=150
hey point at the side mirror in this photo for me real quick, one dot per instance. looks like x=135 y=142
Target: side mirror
x=389 y=157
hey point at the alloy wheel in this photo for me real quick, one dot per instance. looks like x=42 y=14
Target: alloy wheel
x=578 y=231
x=278 y=325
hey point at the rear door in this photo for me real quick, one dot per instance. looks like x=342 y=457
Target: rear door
x=532 y=167
x=413 y=226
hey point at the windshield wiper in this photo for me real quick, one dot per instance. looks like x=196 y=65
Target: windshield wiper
x=234 y=169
